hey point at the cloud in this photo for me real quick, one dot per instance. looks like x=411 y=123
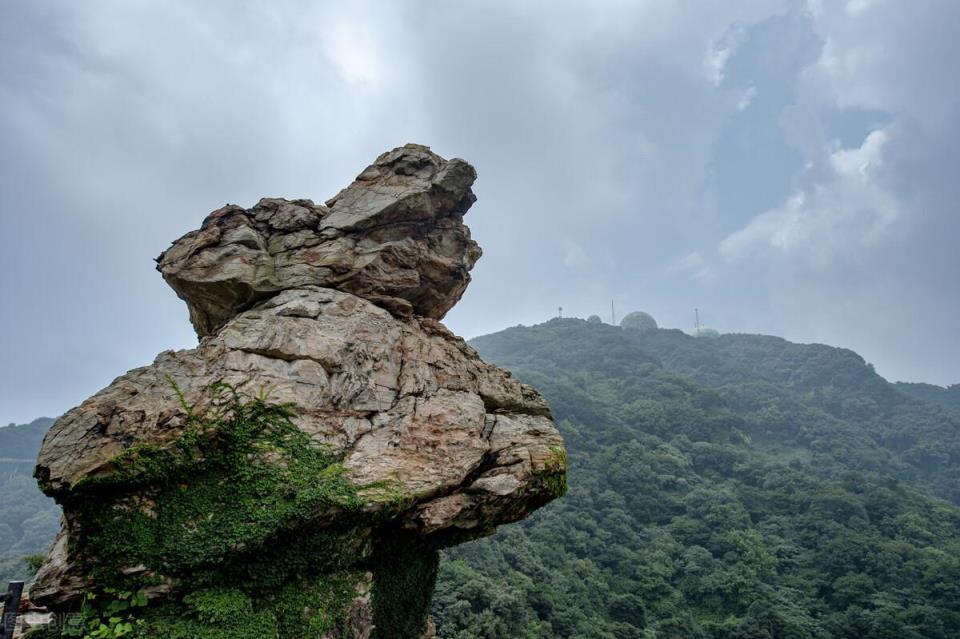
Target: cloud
x=693 y=264
x=574 y=256
x=845 y=207
x=353 y=49
x=609 y=139
x=746 y=98
x=859 y=253
x=719 y=52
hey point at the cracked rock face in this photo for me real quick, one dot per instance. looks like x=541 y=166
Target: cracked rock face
x=394 y=237
x=332 y=313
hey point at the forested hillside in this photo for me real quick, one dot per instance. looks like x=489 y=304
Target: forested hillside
x=822 y=403
x=948 y=397
x=28 y=519
x=737 y=487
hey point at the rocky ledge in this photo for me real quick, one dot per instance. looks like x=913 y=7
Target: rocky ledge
x=296 y=473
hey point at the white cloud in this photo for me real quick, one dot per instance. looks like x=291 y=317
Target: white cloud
x=573 y=254
x=746 y=98
x=856 y=7
x=693 y=264
x=352 y=47
x=719 y=52
x=845 y=209
x=859 y=163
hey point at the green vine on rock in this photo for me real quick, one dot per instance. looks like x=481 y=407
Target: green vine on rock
x=237 y=509
x=554 y=473
x=108 y=615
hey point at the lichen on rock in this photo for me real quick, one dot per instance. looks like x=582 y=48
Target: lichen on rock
x=326 y=437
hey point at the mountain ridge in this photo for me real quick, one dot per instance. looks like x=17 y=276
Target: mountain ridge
x=737 y=487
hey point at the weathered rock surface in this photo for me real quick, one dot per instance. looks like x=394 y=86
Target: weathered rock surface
x=400 y=400
x=331 y=312
x=395 y=237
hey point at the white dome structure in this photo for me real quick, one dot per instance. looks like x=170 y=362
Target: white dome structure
x=638 y=321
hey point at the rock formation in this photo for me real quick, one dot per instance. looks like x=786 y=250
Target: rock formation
x=295 y=474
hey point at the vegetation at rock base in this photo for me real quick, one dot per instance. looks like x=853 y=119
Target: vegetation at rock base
x=207 y=500
x=403 y=580
x=740 y=487
x=228 y=531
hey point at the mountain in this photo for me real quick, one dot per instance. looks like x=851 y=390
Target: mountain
x=735 y=487
x=948 y=397
x=28 y=519
x=824 y=403
x=19 y=443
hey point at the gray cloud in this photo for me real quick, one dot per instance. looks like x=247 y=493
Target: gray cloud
x=618 y=145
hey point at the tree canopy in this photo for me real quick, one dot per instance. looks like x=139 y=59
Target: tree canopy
x=739 y=487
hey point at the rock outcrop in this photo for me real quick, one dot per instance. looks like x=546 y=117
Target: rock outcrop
x=394 y=237
x=295 y=474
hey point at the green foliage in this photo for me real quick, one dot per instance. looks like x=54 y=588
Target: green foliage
x=110 y=614
x=212 y=613
x=224 y=512
x=821 y=404
x=403 y=580
x=554 y=472
x=303 y=607
x=30 y=520
x=741 y=487
x=34 y=562
x=948 y=397
x=211 y=497
x=22 y=441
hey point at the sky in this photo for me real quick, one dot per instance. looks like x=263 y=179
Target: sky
x=787 y=167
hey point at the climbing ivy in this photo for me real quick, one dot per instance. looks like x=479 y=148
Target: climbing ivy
x=233 y=516
x=404 y=576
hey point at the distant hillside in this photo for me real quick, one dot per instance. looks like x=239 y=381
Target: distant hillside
x=738 y=487
x=22 y=441
x=948 y=397
x=28 y=519
x=823 y=402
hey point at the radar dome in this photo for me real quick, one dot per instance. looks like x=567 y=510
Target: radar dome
x=594 y=319
x=638 y=321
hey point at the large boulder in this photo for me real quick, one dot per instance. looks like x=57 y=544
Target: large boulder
x=395 y=237
x=295 y=474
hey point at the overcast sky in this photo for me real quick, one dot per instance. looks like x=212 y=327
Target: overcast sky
x=787 y=167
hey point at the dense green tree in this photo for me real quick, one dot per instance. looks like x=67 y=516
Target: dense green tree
x=741 y=487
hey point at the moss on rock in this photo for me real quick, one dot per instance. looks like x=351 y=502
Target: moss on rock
x=231 y=517
x=302 y=609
